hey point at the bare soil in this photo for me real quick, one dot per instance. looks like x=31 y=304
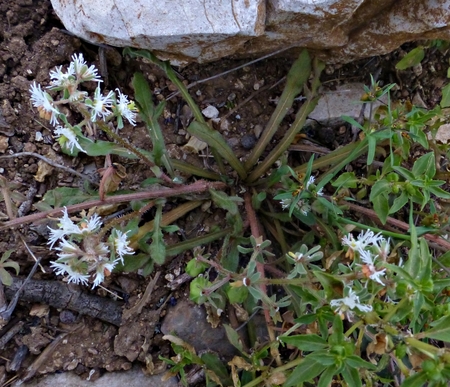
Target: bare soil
x=32 y=42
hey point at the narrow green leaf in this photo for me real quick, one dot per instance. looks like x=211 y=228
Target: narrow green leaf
x=425 y=165
x=214 y=364
x=399 y=202
x=157 y=247
x=305 y=342
x=306 y=370
x=351 y=376
x=381 y=207
x=215 y=140
x=327 y=376
x=381 y=187
x=233 y=338
x=297 y=76
x=440 y=330
x=419 y=379
x=150 y=115
x=411 y=59
x=228 y=203
x=356 y=362
x=346 y=180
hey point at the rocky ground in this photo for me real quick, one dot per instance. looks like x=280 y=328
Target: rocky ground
x=49 y=337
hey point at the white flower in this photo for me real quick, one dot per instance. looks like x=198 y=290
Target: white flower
x=121 y=245
x=342 y=305
x=60 y=79
x=66 y=227
x=68 y=137
x=364 y=239
x=100 y=104
x=310 y=181
x=79 y=67
x=369 y=269
x=68 y=250
x=73 y=276
x=43 y=102
x=123 y=107
x=320 y=192
x=285 y=203
x=91 y=225
x=100 y=272
x=382 y=248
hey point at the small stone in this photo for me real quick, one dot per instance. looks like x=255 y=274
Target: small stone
x=210 y=112
x=248 y=141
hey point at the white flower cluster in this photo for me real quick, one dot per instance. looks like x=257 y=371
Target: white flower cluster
x=371 y=248
x=99 y=107
x=302 y=204
x=81 y=253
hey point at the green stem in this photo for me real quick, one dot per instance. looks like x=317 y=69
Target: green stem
x=298 y=75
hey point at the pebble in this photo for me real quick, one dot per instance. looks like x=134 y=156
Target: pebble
x=248 y=141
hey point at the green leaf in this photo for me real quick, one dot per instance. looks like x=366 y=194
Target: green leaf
x=351 y=376
x=440 y=330
x=5 y=278
x=381 y=187
x=346 y=180
x=228 y=203
x=6 y=256
x=158 y=248
x=425 y=165
x=399 y=202
x=327 y=376
x=356 y=362
x=305 y=342
x=404 y=172
x=214 y=364
x=306 y=370
x=195 y=267
x=381 y=207
x=215 y=140
x=411 y=59
x=439 y=192
x=419 y=379
x=237 y=295
x=150 y=116
x=233 y=338
x=66 y=196
x=13 y=265
x=445 y=101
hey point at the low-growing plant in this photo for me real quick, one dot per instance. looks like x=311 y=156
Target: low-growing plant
x=349 y=294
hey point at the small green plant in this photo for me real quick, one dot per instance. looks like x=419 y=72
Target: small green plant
x=5 y=262
x=349 y=294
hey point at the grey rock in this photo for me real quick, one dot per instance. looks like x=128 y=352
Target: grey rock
x=345 y=100
x=188 y=321
x=132 y=378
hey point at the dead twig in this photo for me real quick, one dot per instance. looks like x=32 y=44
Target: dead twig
x=197 y=187
x=66 y=296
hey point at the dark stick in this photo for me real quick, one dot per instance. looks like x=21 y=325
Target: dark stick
x=67 y=296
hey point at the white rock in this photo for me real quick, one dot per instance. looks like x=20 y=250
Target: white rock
x=206 y=30
x=210 y=112
x=193 y=29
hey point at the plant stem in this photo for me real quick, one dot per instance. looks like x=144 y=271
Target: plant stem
x=197 y=187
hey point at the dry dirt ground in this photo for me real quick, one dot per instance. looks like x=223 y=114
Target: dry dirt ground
x=32 y=42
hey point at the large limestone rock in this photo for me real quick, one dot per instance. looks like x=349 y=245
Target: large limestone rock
x=206 y=30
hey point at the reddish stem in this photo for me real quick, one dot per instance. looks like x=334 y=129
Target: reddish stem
x=197 y=187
